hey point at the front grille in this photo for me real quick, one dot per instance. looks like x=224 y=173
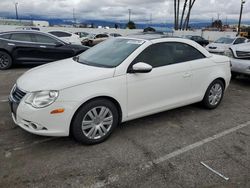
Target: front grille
x=17 y=94
x=242 y=54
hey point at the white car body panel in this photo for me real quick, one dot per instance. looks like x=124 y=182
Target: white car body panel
x=137 y=94
x=74 y=39
x=241 y=64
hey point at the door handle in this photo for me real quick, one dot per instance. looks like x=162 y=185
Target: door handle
x=42 y=46
x=187 y=75
x=11 y=44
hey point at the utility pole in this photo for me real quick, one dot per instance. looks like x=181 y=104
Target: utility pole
x=151 y=19
x=16 y=10
x=74 y=16
x=129 y=15
x=241 y=9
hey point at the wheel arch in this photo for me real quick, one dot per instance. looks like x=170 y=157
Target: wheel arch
x=4 y=50
x=218 y=78
x=113 y=100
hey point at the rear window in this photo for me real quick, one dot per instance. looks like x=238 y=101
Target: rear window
x=60 y=34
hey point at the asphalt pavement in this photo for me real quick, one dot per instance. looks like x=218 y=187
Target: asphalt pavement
x=162 y=150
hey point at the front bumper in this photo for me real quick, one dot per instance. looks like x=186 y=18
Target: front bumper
x=241 y=66
x=40 y=121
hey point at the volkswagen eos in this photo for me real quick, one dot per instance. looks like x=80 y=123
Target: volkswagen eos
x=118 y=80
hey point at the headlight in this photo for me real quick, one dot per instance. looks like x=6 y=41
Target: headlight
x=229 y=53
x=41 y=99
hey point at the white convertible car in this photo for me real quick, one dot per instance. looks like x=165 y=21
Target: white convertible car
x=118 y=80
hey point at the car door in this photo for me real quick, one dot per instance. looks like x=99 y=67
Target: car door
x=23 y=47
x=50 y=49
x=168 y=85
x=202 y=67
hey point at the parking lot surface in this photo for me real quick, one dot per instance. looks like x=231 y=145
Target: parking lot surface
x=162 y=150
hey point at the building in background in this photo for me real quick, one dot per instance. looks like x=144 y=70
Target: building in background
x=39 y=23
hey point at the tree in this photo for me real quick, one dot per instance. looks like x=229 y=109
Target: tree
x=183 y=12
x=180 y=25
x=217 y=24
x=186 y=23
x=131 y=25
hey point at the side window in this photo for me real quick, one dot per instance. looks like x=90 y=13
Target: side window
x=239 y=40
x=24 y=37
x=184 y=52
x=156 y=55
x=44 y=39
x=5 y=36
x=162 y=54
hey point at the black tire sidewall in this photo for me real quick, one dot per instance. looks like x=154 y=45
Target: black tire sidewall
x=10 y=60
x=206 y=97
x=76 y=128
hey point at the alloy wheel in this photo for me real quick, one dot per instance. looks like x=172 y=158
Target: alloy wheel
x=97 y=122
x=215 y=94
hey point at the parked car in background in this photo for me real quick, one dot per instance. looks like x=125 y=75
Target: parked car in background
x=240 y=59
x=116 y=81
x=28 y=28
x=200 y=40
x=82 y=35
x=223 y=44
x=67 y=36
x=33 y=47
x=95 y=39
x=115 y=35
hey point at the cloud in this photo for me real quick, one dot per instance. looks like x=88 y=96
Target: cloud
x=161 y=10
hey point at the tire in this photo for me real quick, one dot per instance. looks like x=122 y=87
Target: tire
x=214 y=94
x=90 y=43
x=94 y=122
x=5 y=60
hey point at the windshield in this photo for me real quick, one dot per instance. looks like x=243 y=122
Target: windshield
x=109 y=53
x=224 y=40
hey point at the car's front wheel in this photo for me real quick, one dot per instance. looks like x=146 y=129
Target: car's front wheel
x=214 y=94
x=94 y=121
x=5 y=60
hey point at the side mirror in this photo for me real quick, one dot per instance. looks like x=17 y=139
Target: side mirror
x=141 y=68
x=58 y=44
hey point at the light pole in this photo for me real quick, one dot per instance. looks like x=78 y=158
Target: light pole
x=16 y=10
x=241 y=9
x=129 y=14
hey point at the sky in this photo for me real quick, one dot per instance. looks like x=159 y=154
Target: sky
x=117 y=10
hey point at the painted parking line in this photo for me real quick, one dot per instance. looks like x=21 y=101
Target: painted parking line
x=194 y=145
x=3 y=101
x=174 y=154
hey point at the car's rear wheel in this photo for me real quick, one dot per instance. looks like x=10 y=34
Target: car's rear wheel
x=95 y=121
x=5 y=60
x=214 y=94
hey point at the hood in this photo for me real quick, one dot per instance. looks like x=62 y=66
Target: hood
x=61 y=74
